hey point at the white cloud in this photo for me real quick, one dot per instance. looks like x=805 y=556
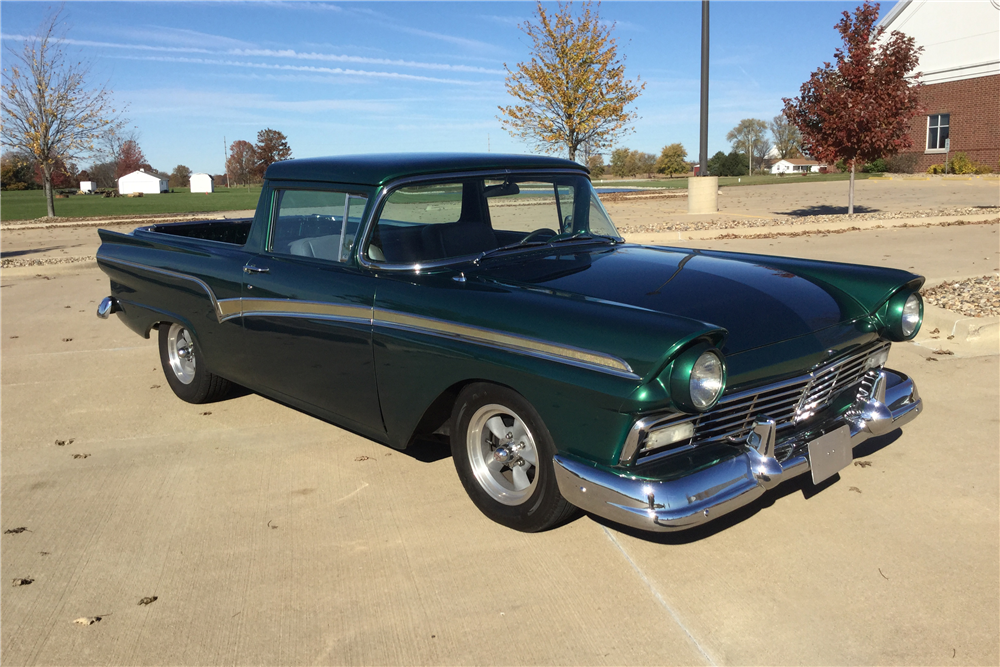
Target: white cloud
x=305 y=68
x=253 y=51
x=291 y=53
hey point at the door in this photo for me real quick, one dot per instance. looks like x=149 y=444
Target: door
x=307 y=309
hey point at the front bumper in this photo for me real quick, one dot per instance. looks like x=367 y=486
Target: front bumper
x=688 y=501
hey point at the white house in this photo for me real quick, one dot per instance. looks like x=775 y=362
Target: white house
x=87 y=186
x=795 y=165
x=201 y=183
x=143 y=181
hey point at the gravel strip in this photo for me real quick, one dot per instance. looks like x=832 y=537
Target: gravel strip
x=16 y=262
x=844 y=230
x=974 y=297
x=744 y=223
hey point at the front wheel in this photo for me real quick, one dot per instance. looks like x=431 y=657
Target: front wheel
x=185 y=372
x=503 y=455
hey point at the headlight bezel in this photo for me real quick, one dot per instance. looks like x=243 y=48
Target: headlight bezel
x=898 y=313
x=681 y=377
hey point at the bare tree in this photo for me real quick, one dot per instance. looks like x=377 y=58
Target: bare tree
x=760 y=152
x=49 y=108
x=787 y=138
x=746 y=135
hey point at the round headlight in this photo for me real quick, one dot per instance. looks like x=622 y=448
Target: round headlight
x=902 y=315
x=706 y=380
x=910 y=319
x=697 y=378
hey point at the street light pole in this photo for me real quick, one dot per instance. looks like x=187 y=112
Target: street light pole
x=703 y=149
x=703 y=192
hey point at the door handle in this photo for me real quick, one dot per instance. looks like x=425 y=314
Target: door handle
x=255 y=269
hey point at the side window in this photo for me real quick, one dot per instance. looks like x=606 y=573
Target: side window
x=316 y=223
x=937 y=131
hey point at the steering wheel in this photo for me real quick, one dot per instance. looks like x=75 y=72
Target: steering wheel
x=531 y=236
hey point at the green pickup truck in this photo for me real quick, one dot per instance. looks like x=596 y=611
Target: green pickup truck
x=490 y=300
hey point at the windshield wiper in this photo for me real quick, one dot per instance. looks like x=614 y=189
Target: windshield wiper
x=580 y=235
x=583 y=235
x=510 y=246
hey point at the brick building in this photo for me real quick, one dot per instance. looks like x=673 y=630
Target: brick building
x=960 y=73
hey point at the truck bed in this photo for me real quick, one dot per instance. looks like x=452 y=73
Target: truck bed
x=223 y=231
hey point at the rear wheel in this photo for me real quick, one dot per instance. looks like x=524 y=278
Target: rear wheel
x=503 y=455
x=185 y=373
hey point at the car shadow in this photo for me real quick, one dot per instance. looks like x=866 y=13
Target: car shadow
x=825 y=209
x=429 y=448
x=33 y=251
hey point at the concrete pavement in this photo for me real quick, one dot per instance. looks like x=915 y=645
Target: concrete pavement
x=270 y=537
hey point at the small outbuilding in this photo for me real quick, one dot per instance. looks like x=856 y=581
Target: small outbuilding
x=202 y=183
x=88 y=186
x=796 y=166
x=146 y=182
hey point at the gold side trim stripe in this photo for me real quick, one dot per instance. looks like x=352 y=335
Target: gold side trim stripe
x=520 y=343
x=257 y=307
x=229 y=308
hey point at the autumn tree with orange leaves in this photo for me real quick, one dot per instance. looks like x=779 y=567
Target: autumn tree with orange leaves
x=573 y=90
x=50 y=110
x=859 y=109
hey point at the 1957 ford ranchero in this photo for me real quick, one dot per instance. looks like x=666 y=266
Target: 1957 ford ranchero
x=490 y=298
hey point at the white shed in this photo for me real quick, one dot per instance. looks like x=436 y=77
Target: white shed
x=796 y=166
x=143 y=181
x=87 y=186
x=202 y=183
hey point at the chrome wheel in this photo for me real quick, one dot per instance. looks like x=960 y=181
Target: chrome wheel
x=180 y=353
x=502 y=454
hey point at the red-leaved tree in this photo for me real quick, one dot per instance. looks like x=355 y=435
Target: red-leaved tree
x=130 y=158
x=859 y=109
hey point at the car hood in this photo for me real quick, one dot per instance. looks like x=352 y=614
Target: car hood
x=758 y=302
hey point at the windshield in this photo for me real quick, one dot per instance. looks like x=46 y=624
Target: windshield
x=426 y=223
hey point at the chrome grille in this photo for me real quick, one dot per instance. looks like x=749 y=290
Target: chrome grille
x=787 y=403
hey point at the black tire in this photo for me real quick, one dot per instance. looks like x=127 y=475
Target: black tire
x=187 y=377
x=508 y=487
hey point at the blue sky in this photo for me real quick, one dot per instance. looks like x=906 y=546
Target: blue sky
x=364 y=77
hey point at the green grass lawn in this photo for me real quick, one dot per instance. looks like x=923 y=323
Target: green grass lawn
x=731 y=180
x=30 y=204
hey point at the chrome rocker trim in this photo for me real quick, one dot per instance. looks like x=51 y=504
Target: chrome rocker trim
x=708 y=494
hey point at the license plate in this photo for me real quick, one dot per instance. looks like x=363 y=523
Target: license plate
x=830 y=453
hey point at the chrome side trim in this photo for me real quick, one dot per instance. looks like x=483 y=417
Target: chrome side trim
x=521 y=344
x=309 y=309
x=655 y=504
x=172 y=274
x=227 y=309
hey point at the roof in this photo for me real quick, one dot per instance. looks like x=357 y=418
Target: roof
x=888 y=18
x=377 y=169
x=798 y=160
x=152 y=174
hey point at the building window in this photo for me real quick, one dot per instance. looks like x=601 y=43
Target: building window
x=937 y=131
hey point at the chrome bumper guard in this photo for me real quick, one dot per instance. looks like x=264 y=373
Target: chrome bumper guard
x=697 y=498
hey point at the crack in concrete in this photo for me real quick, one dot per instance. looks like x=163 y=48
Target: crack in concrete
x=659 y=598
